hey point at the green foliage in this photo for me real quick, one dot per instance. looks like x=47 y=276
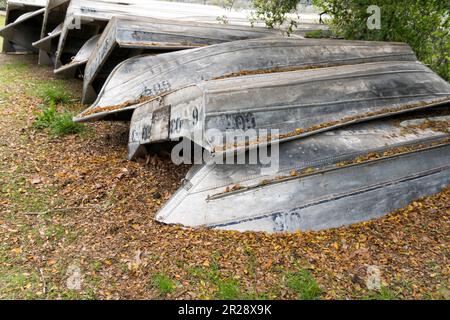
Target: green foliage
x=423 y=24
x=304 y=284
x=274 y=12
x=45 y=118
x=59 y=123
x=53 y=94
x=163 y=284
x=228 y=289
x=64 y=125
x=9 y=74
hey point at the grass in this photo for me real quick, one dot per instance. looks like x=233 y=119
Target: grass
x=304 y=285
x=384 y=294
x=96 y=266
x=59 y=123
x=15 y=284
x=228 y=289
x=64 y=125
x=225 y=288
x=2 y=23
x=23 y=196
x=10 y=74
x=163 y=284
x=52 y=93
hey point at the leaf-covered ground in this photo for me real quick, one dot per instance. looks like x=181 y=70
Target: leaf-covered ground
x=107 y=245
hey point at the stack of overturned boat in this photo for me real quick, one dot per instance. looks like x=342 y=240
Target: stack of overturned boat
x=22 y=25
x=66 y=32
x=285 y=134
x=324 y=133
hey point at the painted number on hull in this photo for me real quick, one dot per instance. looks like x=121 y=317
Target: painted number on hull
x=141 y=134
x=156 y=89
x=242 y=121
x=177 y=123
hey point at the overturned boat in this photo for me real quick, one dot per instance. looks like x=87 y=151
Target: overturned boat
x=85 y=19
x=77 y=65
x=125 y=37
x=328 y=180
x=145 y=77
x=235 y=114
x=22 y=25
x=54 y=15
x=52 y=25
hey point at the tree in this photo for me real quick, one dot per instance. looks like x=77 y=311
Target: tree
x=274 y=12
x=423 y=24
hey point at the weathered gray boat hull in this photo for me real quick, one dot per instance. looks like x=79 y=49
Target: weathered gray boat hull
x=86 y=18
x=144 y=77
x=77 y=66
x=22 y=24
x=55 y=13
x=125 y=37
x=312 y=187
x=54 y=17
x=254 y=111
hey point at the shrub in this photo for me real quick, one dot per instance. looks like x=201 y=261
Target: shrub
x=423 y=24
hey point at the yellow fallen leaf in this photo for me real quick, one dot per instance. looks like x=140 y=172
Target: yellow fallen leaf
x=17 y=250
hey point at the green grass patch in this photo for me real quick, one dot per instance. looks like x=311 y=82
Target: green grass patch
x=304 y=285
x=15 y=284
x=59 y=123
x=228 y=289
x=64 y=125
x=96 y=266
x=53 y=93
x=163 y=284
x=23 y=196
x=384 y=294
x=10 y=74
